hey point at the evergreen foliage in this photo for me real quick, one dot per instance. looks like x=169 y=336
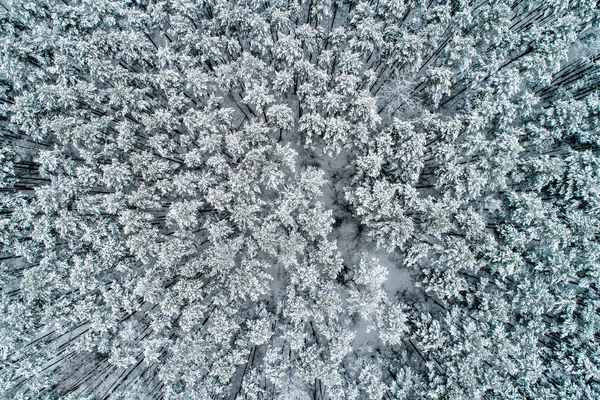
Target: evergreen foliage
x=290 y=199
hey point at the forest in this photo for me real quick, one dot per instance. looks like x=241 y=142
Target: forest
x=299 y=199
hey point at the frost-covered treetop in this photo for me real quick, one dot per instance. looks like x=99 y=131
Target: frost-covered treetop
x=285 y=199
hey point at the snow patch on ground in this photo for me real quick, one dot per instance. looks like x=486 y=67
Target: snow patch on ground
x=365 y=338
x=399 y=279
